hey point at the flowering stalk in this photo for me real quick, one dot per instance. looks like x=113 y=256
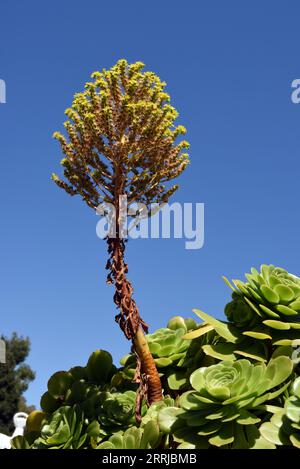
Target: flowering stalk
x=122 y=141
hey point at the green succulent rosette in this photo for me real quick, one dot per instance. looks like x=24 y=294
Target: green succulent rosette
x=240 y=313
x=224 y=407
x=167 y=344
x=75 y=395
x=154 y=410
x=284 y=426
x=117 y=409
x=66 y=429
x=147 y=437
x=222 y=340
x=172 y=353
x=267 y=306
x=80 y=385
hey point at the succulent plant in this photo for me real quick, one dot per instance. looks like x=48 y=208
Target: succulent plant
x=212 y=397
x=154 y=410
x=223 y=408
x=264 y=314
x=267 y=306
x=147 y=437
x=34 y=421
x=117 y=409
x=224 y=341
x=284 y=426
x=167 y=344
x=100 y=367
x=240 y=313
x=174 y=355
x=66 y=429
x=79 y=384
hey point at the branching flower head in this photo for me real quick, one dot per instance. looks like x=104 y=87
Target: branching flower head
x=122 y=138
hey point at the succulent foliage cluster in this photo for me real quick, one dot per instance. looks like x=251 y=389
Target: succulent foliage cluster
x=226 y=384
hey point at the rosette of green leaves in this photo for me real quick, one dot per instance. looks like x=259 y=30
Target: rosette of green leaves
x=147 y=437
x=154 y=410
x=263 y=315
x=224 y=341
x=171 y=352
x=284 y=426
x=167 y=344
x=225 y=405
x=79 y=384
x=267 y=306
x=117 y=409
x=240 y=313
x=66 y=429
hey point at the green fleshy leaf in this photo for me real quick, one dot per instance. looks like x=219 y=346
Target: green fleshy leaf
x=278 y=370
x=198 y=332
x=292 y=409
x=295 y=439
x=167 y=417
x=246 y=418
x=273 y=281
x=282 y=350
x=283 y=342
x=191 y=400
x=285 y=293
x=270 y=396
x=150 y=435
x=177 y=380
x=225 y=436
x=269 y=311
x=295 y=305
x=257 y=335
x=163 y=362
x=286 y=310
x=209 y=428
x=220 y=351
x=189 y=439
x=270 y=294
x=271 y=433
x=253 y=306
x=296 y=387
x=262 y=443
x=254 y=293
x=240 y=441
x=19 y=442
x=265 y=271
x=226 y=331
x=250 y=355
x=197 y=379
x=282 y=326
x=59 y=383
x=228 y=283
x=295 y=325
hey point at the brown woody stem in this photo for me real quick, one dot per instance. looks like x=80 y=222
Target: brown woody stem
x=131 y=323
x=154 y=390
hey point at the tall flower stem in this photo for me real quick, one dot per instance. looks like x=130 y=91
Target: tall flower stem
x=130 y=321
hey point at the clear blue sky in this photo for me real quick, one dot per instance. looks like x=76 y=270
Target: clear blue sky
x=229 y=67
